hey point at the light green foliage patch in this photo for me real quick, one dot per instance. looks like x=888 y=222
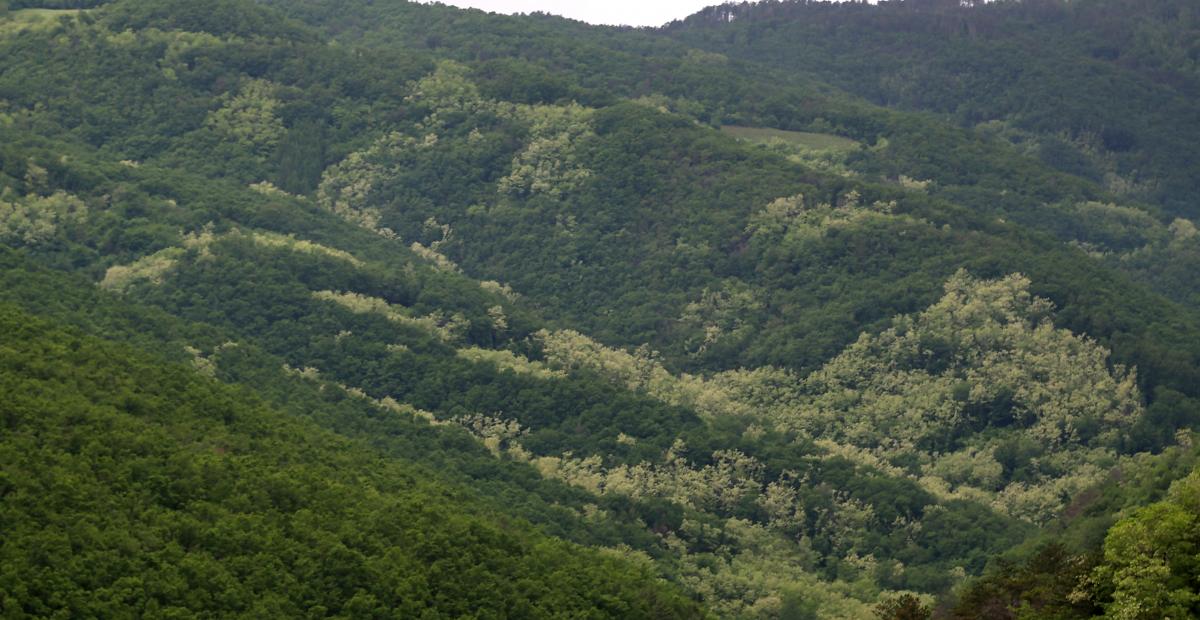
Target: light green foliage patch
x=174 y=60
x=36 y=219
x=448 y=90
x=758 y=566
x=791 y=220
x=672 y=105
x=507 y=360
x=1106 y=228
x=152 y=269
x=155 y=267
x=721 y=314
x=767 y=578
x=548 y=164
x=34 y=19
x=641 y=370
x=984 y=357
x=818 y=151
x=346 y=186
x=986 y=344
x=276 y=240
x=267 y=188
x=447 y=328
x=250 y=118
x=202 y=241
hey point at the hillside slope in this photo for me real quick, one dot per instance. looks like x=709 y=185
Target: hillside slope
x=133 y=487
x=1098 y=88
x=691 y=329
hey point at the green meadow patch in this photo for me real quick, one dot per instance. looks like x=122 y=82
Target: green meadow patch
x=813 y=141
x=34 y=19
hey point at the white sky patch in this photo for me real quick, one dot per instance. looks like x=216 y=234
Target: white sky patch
x=612 y=12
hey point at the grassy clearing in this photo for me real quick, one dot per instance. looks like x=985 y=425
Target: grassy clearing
x=33 y=19
x=813 y=141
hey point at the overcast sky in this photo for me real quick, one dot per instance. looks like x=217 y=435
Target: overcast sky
x=617 y=12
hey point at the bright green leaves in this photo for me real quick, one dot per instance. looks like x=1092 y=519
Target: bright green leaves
x=345 y=188
x=983 y=356
x=447 y=93
x=152 y=269
x=1105 y=227
x=37 y=219
x=458 y=137
x=721 y=315
x=789 y=219
x=549 y=164
x=250 y=118
x=446 y=328
x=979 y=397
x=984 y=359
x=1152 y=558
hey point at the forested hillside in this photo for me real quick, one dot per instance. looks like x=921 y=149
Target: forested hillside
x=135 y=488
x=384 y=309
x=1101 y=89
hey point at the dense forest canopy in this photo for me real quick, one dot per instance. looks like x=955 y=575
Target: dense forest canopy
x=784 y=310
x=1098 y=88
